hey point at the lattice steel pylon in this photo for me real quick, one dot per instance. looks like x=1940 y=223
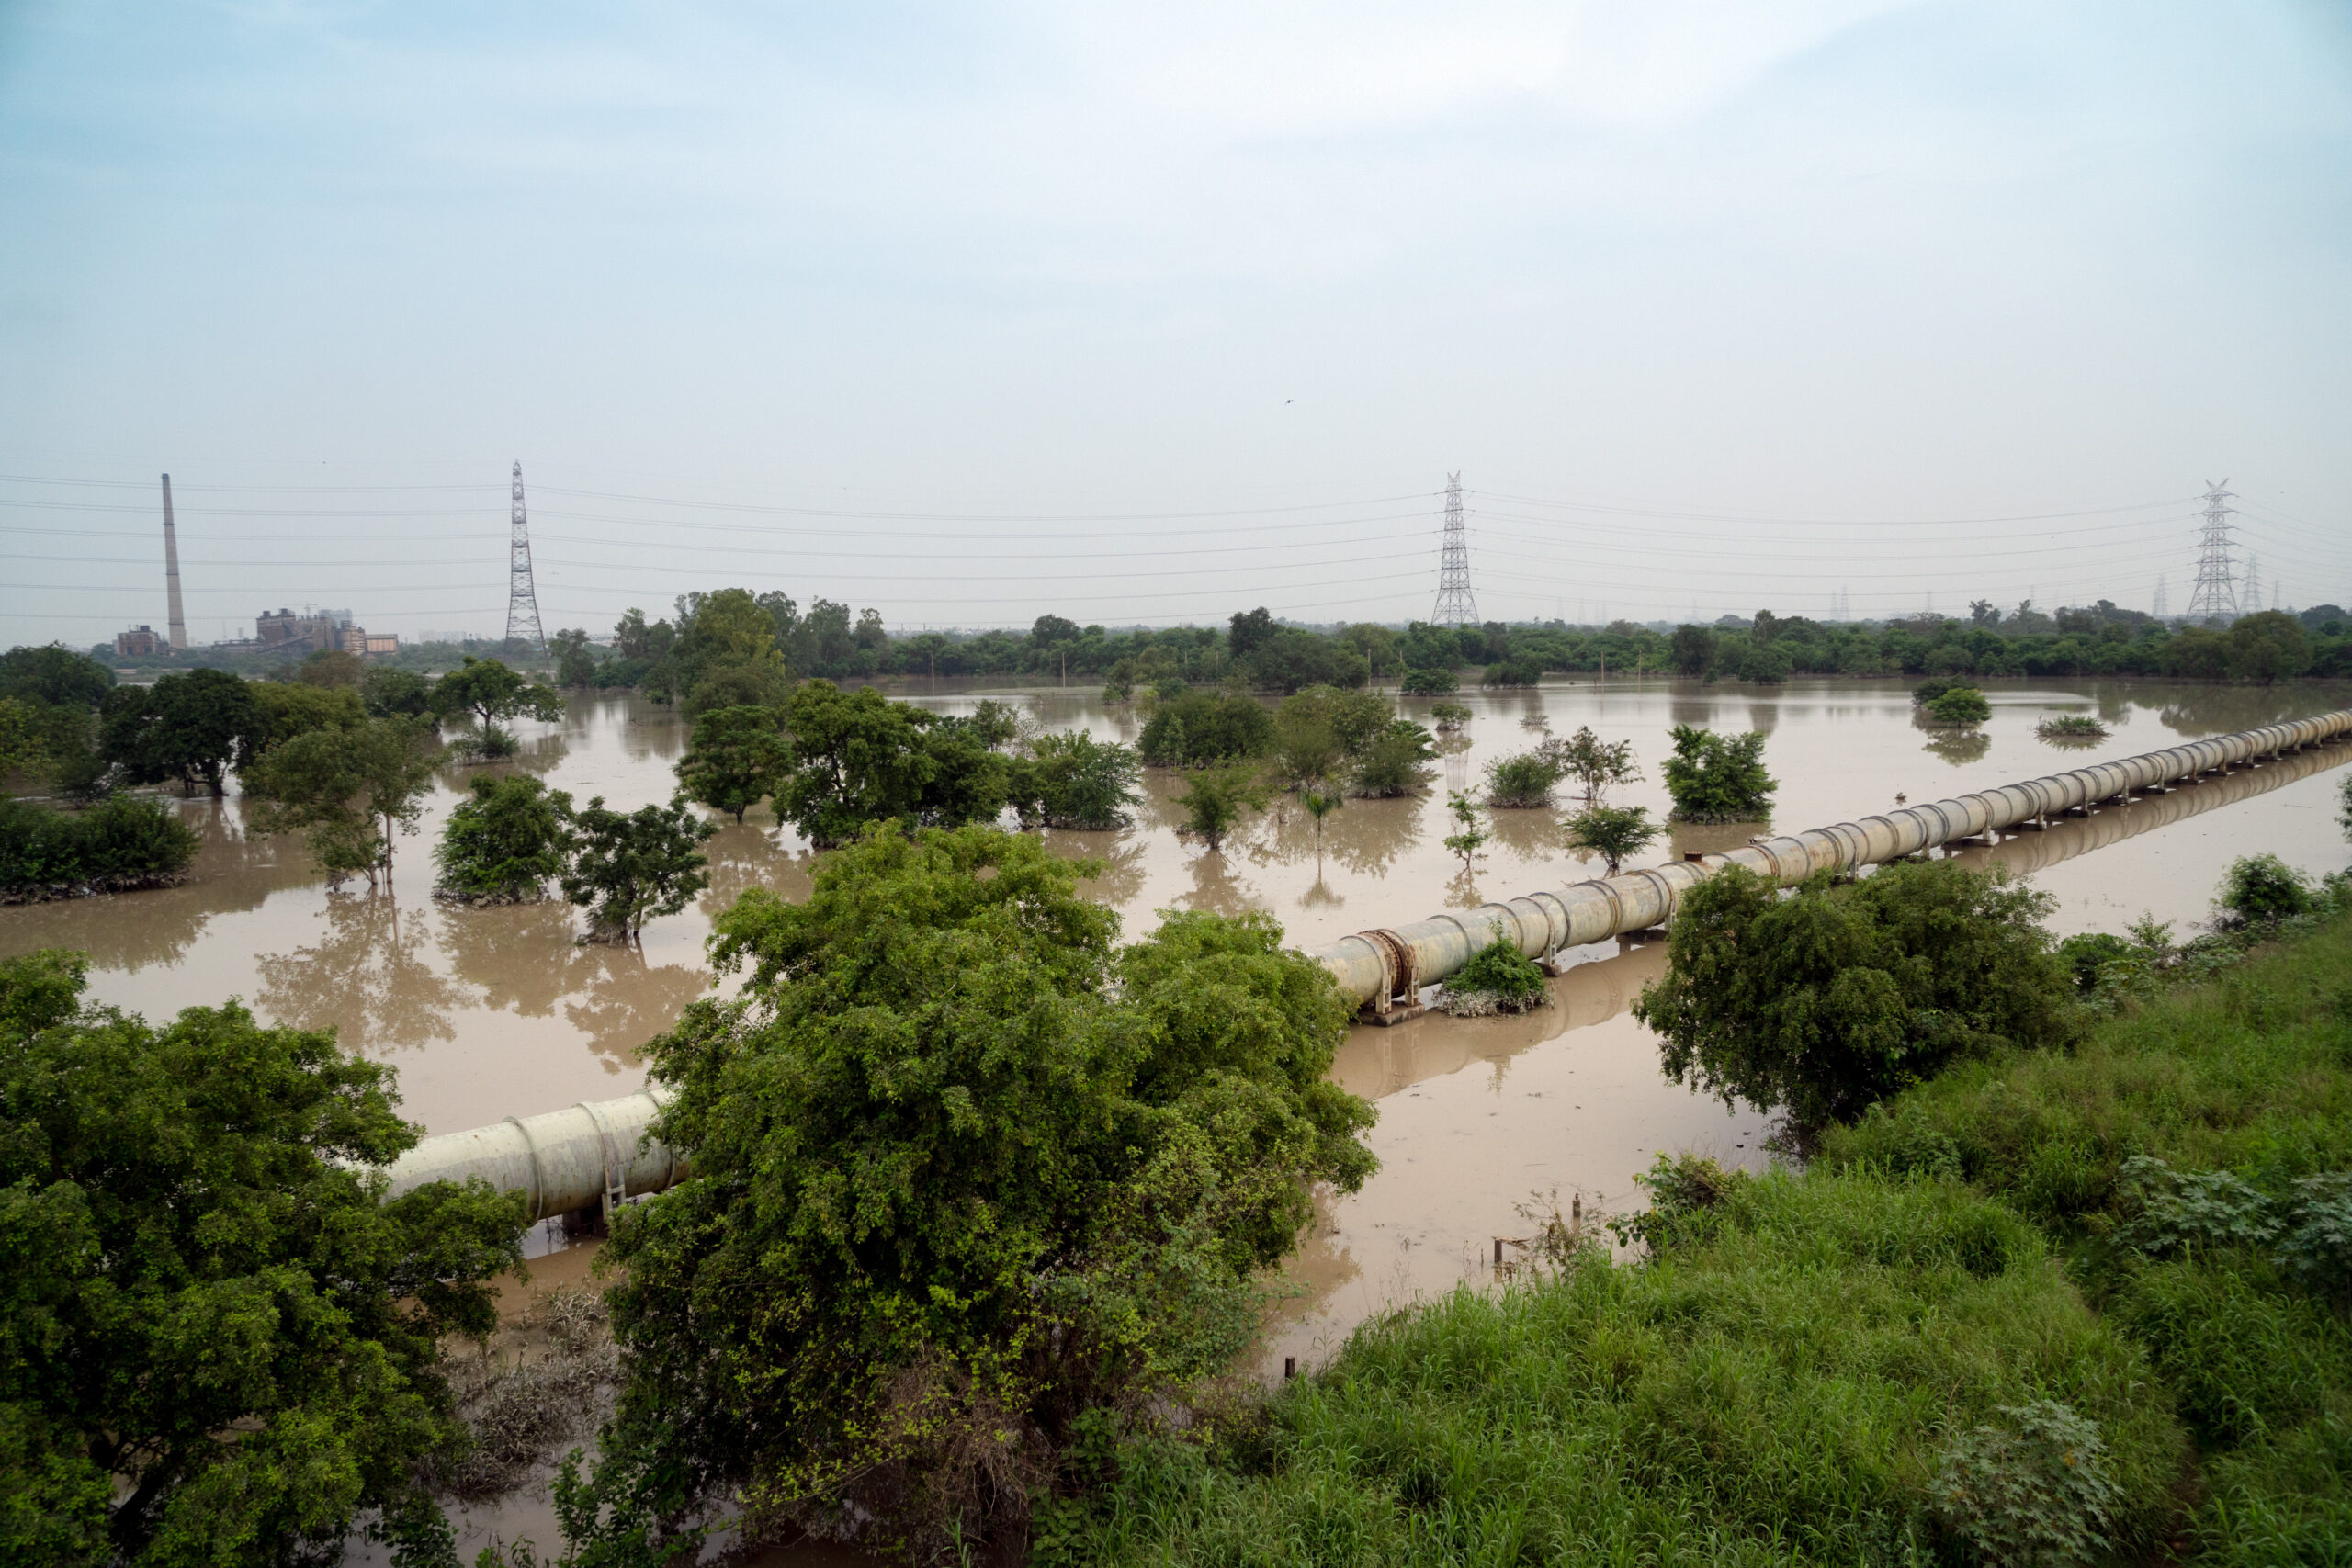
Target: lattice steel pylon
x=2217 y=588
x=1457 y=607
x=522 y=592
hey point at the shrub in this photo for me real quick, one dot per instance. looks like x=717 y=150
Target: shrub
x=1521 y=781
x=1429 y=682
x=1934 y=686
x=1498 y=978
x=995 y=1173
x=1467 y=837
x=1718 y=778
x=1961 y=707
x=1218 y=799
x=1448 y=715
x=2073 y=728
x=1519 y=669
x=2089 y=954
x=1613 y=833
x=1395 y=764
x=1075 y=781
x=2032 y=1491
x=505 y=845
x=1827 y=1001
x=122 y=843
x=1598 y=765
x=2261 y=890
x=1198 y=729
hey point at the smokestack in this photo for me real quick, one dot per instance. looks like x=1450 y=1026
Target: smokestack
x=172 y=570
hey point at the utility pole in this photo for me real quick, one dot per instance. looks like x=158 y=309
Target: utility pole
x=522 y=592
x=1456 y=605
x=172 y=572
x=2216 y=589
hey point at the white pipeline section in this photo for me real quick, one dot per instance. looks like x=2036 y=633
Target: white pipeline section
x=592 y=1157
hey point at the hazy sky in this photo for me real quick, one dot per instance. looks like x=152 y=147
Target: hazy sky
x=1155 y=312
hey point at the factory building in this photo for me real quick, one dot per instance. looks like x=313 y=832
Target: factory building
x=317 y=631
x=139 y=642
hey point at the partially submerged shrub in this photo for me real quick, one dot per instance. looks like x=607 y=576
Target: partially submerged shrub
x=1394 y=764
x=2073 y=728
x=1499 y=978
x=1718 y=778
x=1521 y=781
x=1449 y=716
x=119 y=844
x=1613 y=833
x=2261 y=890
x=1824 y=1001
x=2031 y=1491
x=1961 y=707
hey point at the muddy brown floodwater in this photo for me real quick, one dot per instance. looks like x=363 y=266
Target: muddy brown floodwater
x=496 y=1013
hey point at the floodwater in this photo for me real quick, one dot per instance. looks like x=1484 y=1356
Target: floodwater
x=497 y=1013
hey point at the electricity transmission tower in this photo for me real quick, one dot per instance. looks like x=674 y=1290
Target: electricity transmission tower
x=2161 y=611
x=1455 y=606
x=522 y=594
x=2216 y=589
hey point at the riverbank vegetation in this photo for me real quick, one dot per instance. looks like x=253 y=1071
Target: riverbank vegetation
x=2070 y=1292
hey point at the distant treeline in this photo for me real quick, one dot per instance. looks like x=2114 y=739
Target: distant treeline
x=715 y=636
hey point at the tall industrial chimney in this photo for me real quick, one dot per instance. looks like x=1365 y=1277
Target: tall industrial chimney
x=172 y=570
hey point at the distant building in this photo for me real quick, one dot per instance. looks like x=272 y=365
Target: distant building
x=317 y=631
x=139 y=642
x=380 y=642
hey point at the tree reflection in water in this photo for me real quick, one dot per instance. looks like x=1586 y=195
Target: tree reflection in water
x=1363 y=838
x=1216 y=888
x=621 y=1001
x=747 y=856
x=520 y=955
x=1961 y=747
x=1122 y=856
x=367 y=979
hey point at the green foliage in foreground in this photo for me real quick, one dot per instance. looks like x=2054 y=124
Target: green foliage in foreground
x=1824 y=1003
x=2192 y=1155
x=216 y=1345
x=965 y=1171
x=1787 y=1383
x=119 y=843
x=1718 y=778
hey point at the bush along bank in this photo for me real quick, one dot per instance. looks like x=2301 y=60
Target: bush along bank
x=115 y=847
x=2076 y=1302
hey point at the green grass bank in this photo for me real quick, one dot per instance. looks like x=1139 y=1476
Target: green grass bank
x=2045 y=1307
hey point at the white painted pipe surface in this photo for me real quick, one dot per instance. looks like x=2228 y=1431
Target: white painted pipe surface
x=594 y=1155
x=585 y=1156
x=1385 y=969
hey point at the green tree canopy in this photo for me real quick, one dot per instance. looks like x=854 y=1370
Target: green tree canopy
x=216 y=1345
x=859 y=758
x=352 y=790
x=963 y=1172
x=55 y=676
x=284 y=709
x=1961 y=707
x=1613 y=833
x=738 y=758
x=1714 y=777
x=575 y=661
x=1199 y=730
x=631 y=867
x=187 y=727
x=488 y=690
x=1828 y=1001
x=506 y=843
x=1075 y=781
x=1215 y=800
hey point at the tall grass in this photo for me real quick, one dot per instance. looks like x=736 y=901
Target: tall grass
x=1781 y=1388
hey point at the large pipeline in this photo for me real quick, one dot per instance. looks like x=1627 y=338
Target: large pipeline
x=594 y=1155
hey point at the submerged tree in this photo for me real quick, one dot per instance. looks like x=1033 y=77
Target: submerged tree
x=738 y=758
x=505 y=845
x=974 y=1187
x=1718 y=778
x=218 y=1343
x=488 y=690
x=632 y=867
x=1218 y=799
x=1467 y=837
x=186 y=726
x=352 y=790
x=1613 y=833
x=1598 y=765
x=1074 y=781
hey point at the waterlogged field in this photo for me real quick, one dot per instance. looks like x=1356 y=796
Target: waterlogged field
x=489 y=1013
